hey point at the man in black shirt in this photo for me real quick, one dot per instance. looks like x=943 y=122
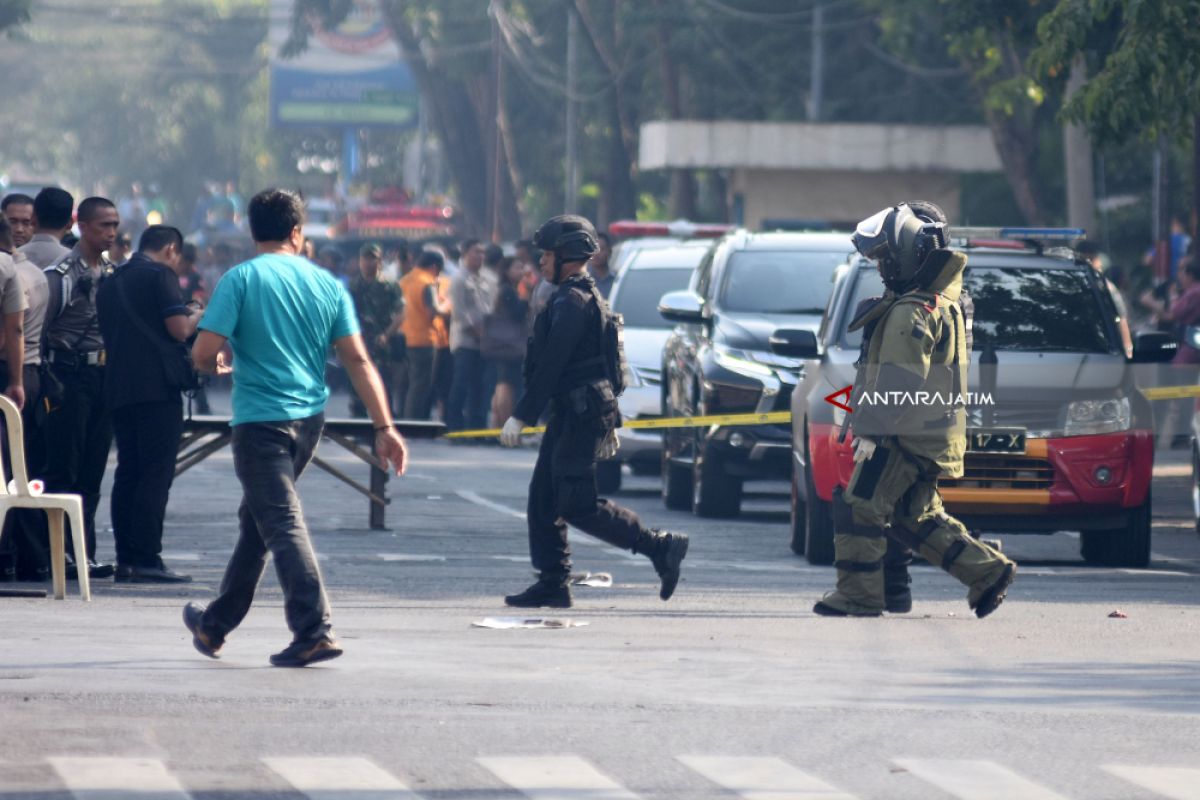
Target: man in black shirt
x=144 y=320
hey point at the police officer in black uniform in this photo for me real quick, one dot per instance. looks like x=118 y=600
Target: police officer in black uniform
x=78 y=431
x=574 y=366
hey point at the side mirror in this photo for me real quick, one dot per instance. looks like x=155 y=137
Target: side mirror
x=794 y=344
x=1154 y=347
x=683 y=306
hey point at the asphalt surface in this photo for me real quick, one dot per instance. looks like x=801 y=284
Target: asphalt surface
x=732 y=689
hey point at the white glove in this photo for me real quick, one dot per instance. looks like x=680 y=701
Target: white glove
x=511 y=435
x=863 y=449
x=610 y=445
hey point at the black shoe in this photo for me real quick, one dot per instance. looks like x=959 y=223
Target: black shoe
x=127 y=573
x=991 y=599
x=668 y=556
x=899 y=603
x=8 y=574
x=543 y=594
x=301 y=654
x=206 y=643
x=35 y=575
x=95 y=570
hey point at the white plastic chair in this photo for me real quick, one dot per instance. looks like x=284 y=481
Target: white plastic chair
x=57 y=507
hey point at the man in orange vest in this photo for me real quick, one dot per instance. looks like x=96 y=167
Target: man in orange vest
x=424 y=330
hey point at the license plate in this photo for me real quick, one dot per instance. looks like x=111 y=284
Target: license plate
x=996 y=440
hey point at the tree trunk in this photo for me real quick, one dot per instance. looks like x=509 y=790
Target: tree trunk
x=1014 y=143
x=682 y=203
x=456 y=120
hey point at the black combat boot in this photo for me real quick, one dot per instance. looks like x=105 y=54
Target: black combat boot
x=666 y=552
x=897 y=596
x=545 y=593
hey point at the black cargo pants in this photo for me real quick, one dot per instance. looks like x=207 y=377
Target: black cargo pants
x=563 y=491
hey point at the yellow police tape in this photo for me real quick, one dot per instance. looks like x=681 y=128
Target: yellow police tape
x=1171 y=392
x=772 y=418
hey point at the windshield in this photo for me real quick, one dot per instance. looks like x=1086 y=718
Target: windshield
x=779 y=282
x=1017 y=309
x=640 y=291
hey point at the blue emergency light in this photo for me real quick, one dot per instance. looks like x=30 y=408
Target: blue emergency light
x=1019 y=234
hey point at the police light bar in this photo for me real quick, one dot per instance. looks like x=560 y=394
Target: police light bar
x=1017 y=234
x=682 y=228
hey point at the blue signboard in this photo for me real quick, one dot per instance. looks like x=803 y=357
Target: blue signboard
x=352 y=76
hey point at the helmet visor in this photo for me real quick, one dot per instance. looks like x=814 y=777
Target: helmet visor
x=870 y=237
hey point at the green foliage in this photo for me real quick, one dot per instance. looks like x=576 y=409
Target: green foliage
x=1145 y=64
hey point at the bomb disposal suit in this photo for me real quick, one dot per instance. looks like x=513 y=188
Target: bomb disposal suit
x=574 y=370
x=909 y=423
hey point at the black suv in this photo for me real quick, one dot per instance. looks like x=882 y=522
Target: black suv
x=717 y=360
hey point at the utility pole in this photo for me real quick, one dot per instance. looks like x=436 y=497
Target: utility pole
x=1161 y=221
x=494 y=178
x=817 y=77
x=1077 y=147
x=571 y=190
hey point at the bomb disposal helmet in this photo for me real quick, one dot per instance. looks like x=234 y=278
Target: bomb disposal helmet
x=900 y=239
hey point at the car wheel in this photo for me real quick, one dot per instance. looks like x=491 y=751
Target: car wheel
x=818 y=543
x=1121 y=548
x=608 y=476
x=676 y=483
x=714 y=494
x=798 y=521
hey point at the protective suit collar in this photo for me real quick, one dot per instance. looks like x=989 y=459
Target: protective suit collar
x=946 y=267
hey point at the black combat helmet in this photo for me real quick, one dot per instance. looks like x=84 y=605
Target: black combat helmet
x=569 y=236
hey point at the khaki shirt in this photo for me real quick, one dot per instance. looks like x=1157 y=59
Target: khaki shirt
x=37 y=296
x=44 y=250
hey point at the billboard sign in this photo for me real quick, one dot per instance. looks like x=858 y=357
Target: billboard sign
x=351 y=76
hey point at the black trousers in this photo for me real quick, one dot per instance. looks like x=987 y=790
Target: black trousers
x=147 y=437
x=269 y=458
x=78 y=437
x=420 y=382
x=25 y=538
x=563 y=491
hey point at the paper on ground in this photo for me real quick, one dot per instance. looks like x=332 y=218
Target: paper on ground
x=506 y=623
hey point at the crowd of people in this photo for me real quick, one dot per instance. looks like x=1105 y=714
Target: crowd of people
x=446 y=326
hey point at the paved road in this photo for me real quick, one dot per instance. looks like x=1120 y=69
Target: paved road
x=733 y=689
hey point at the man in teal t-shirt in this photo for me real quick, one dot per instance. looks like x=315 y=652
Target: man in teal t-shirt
x=280 y=313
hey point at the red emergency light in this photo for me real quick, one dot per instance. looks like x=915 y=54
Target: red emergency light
x=682 y=228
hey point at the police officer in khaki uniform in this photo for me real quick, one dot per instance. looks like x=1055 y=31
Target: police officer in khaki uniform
x=909 y=422
x=379 y=304
x=78 y=429
x=574 y=365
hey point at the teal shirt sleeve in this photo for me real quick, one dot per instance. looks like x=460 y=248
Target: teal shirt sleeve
x=345 y=323
x=225 y=306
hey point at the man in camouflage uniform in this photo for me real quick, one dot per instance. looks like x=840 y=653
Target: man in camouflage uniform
x=915 y=354
x=380 y=308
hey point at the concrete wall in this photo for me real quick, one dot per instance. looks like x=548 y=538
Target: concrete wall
x=838 y=196
x=816 y=146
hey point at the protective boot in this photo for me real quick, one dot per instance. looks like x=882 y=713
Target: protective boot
x=666 y=552
x=897 y=596
x=859 y=562
x=545 y=593
x=986 y=572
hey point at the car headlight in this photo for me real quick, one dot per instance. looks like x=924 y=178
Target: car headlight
x=1086 y=417
x=739 y=361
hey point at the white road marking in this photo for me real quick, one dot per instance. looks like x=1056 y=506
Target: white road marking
x=118 y=779
x=763 y=778
x=181 y=556
x=976 y=780
x=556 y=778
x=408 y=557
x=472 y=497
x=1177 y=783
x=339 y=779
